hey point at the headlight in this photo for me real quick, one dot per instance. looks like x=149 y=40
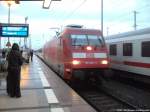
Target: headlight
x=104 y=62
x=75 y=62
x=89 y=48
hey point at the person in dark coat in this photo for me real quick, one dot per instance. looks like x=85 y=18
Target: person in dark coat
x=3 y=53
x=15 y=61
x=31 y=54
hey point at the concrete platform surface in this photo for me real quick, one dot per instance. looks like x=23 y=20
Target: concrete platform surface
x=42 y=91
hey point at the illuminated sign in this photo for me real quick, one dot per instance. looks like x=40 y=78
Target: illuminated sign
x=14 y=30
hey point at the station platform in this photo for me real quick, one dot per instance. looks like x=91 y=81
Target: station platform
x=42 y=91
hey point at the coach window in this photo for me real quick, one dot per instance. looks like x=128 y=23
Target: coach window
x=145 y=49
x=127 y=49
x=113 y=49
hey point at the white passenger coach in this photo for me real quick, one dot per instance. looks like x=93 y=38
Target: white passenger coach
x=130 y=51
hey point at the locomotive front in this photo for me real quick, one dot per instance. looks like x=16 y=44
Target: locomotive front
x=88 y=54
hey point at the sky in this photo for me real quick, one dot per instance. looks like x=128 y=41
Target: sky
x=118 y=17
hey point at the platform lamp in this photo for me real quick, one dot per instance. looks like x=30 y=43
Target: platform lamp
x=47 y=3
x=8 y=44
x=9 y=3
x=17 y=1
x=102 y=16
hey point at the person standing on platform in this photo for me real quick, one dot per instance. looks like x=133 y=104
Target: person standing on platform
x=3 y=53
x=31 y=54
x=15 y=60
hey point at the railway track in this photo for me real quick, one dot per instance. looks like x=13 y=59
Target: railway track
x=141 y=82
x=113 y=97
x=102 y=101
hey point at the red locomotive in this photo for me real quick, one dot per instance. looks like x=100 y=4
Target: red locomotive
x=77 y=53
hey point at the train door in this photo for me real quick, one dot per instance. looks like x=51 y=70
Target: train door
x=60 y=56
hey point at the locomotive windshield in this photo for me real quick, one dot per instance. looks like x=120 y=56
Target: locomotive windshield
x=84 y=40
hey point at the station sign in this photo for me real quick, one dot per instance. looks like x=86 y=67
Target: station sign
x=14 y=30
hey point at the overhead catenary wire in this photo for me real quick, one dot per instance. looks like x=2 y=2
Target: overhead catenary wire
x=73 y=12
x=126 y=14
x=129 y=15
x=63 y=14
